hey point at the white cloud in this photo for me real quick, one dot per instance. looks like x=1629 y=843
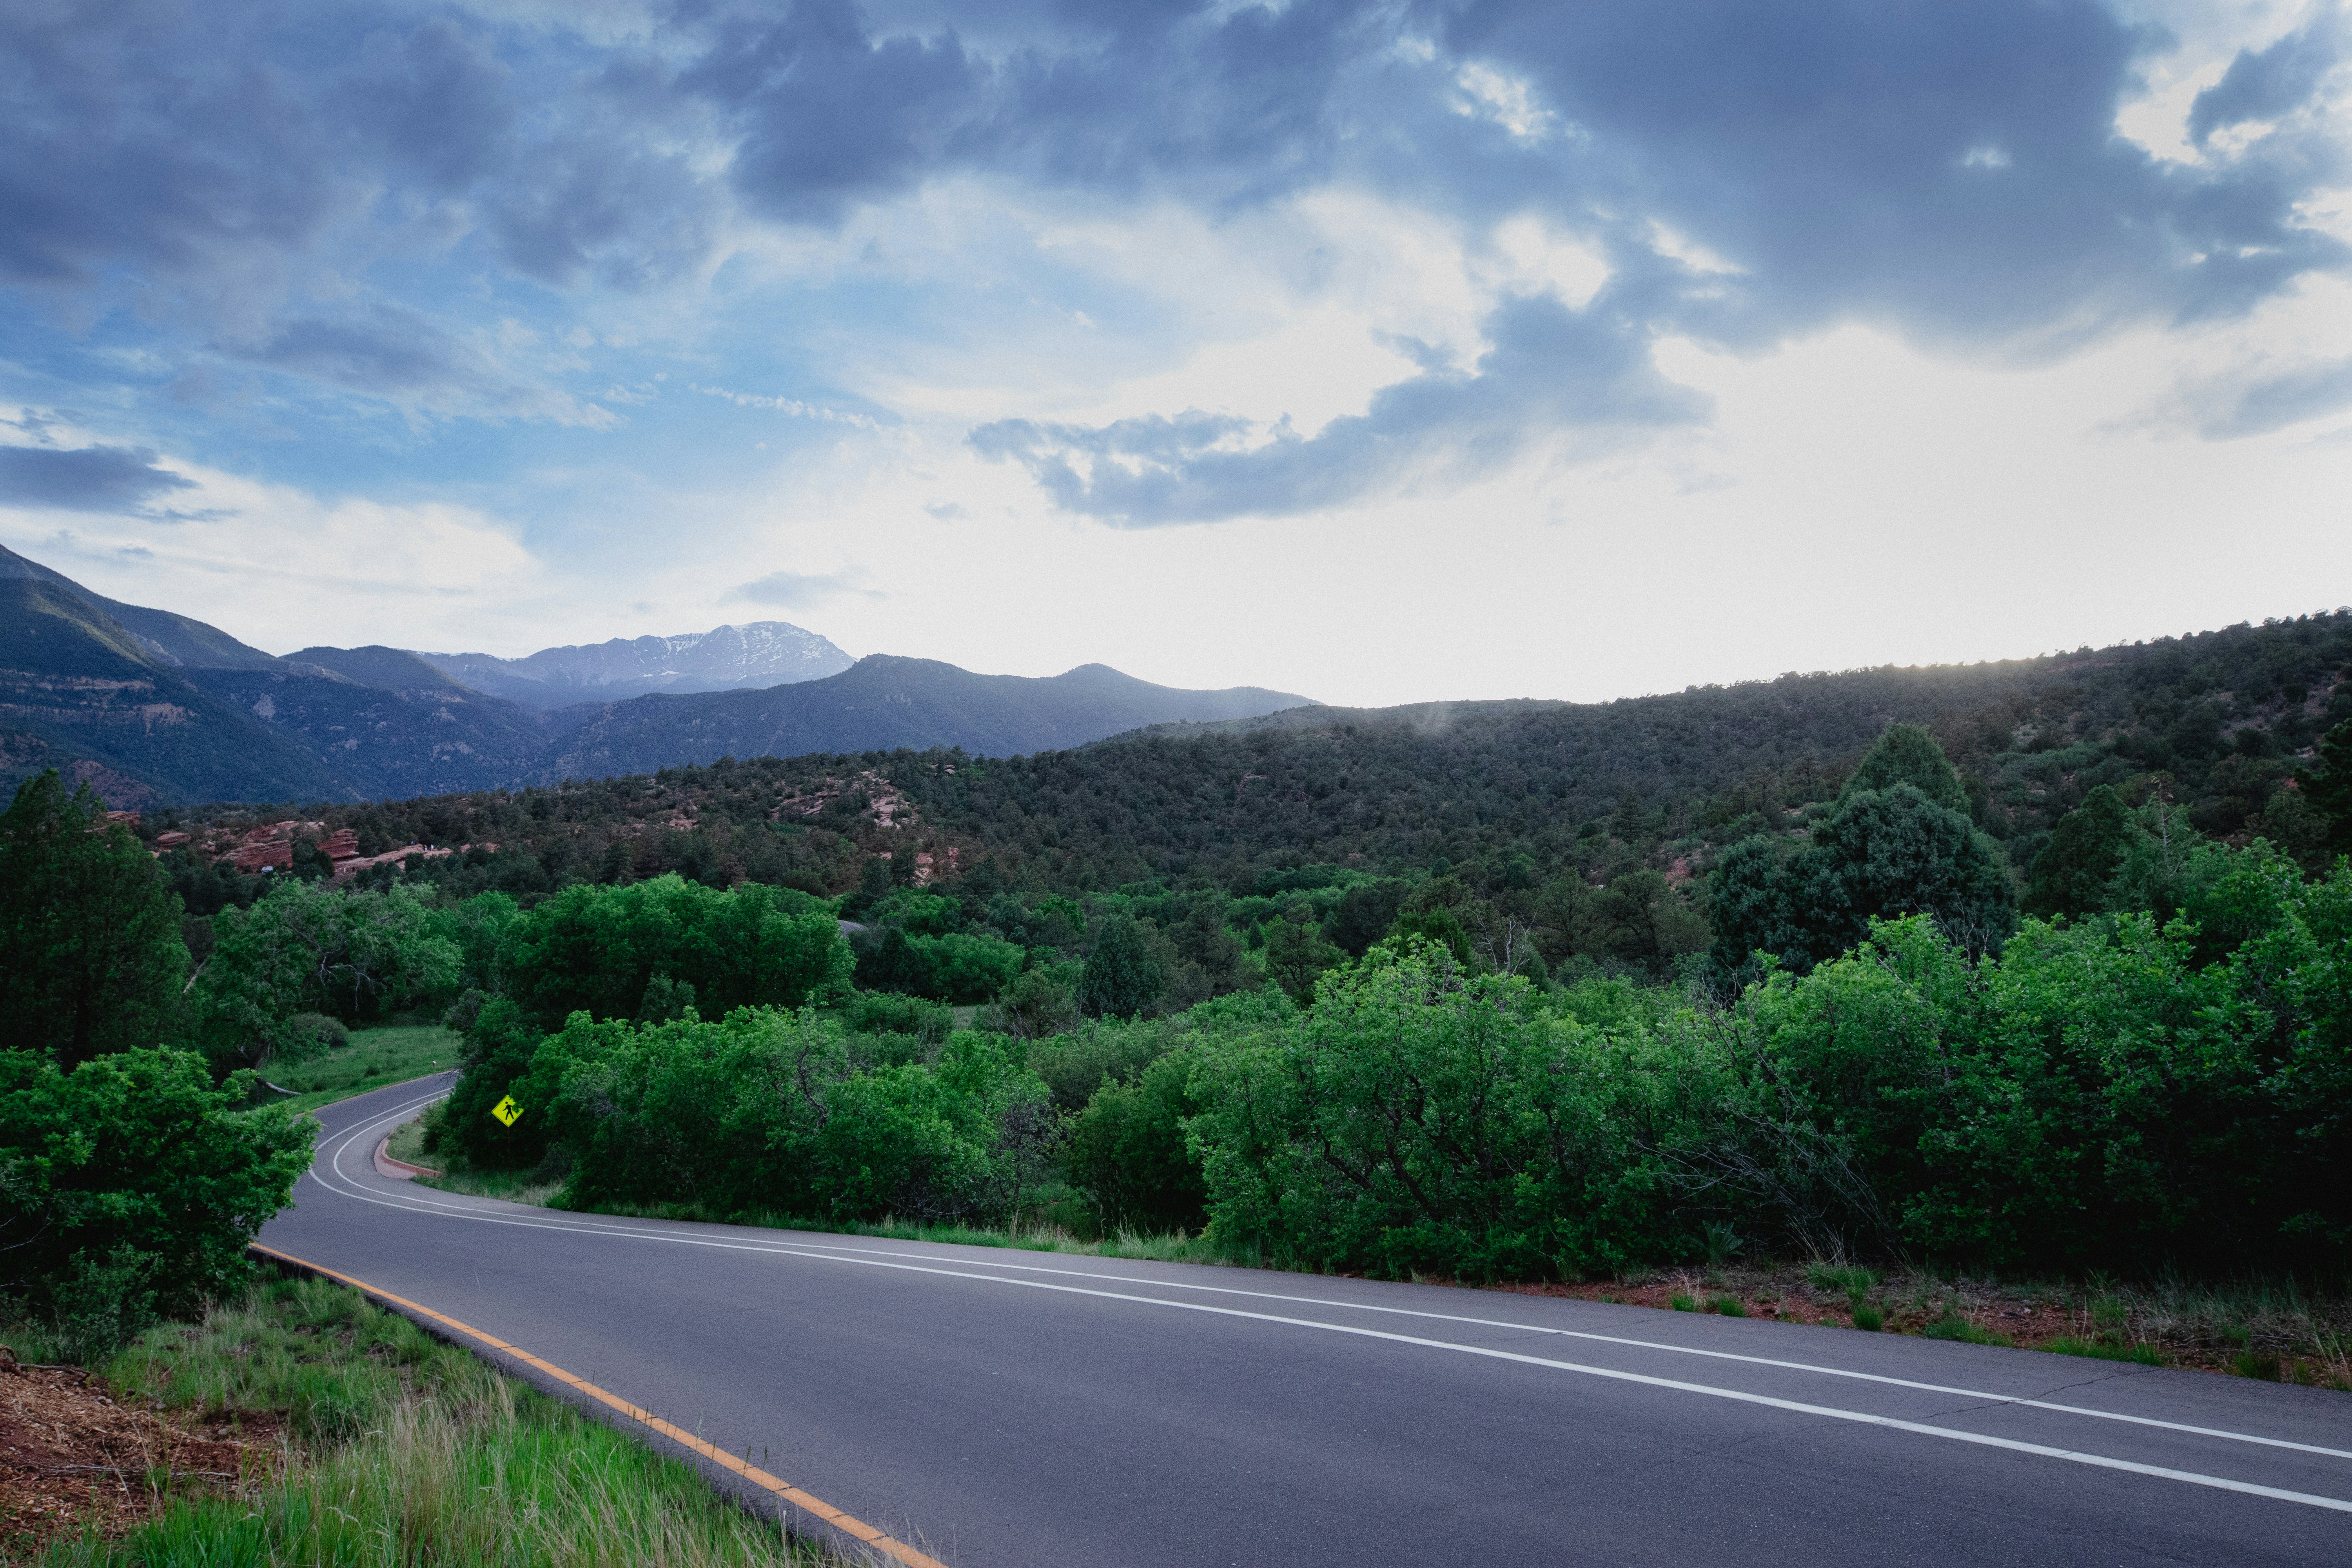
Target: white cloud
x=280 y=568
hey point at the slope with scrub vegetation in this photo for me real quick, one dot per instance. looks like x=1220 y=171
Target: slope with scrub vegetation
x=294 y=1423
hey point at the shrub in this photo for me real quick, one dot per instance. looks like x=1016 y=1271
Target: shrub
x=135 y=1168
x=99 y=1305
x=2262 y=1364
x=318 y=1032
x=596 y=949
x=1126 y=1152
x=771 y=1110
x=885 y=1012
x=1419 y=1118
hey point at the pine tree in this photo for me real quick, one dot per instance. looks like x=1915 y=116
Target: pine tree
x=90 y=956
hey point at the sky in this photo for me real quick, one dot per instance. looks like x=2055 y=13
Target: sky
x=1377 y=353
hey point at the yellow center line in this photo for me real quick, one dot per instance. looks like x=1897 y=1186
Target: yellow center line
x=752 y=1473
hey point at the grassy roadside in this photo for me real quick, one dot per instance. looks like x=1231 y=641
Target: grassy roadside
x=357 y=1439
x=375 y=1058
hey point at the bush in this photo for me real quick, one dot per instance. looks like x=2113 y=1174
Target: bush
x=1423 y=1118
x=136 y=1162
x=957 y=967
x=766 y=1110
x=99 y=1305
x=597 y=950
x=1127 y=1151
x=885 y=1012
x=498 y=1051
x=318 y=1032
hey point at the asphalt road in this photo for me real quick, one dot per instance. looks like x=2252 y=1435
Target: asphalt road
x=999 y=1407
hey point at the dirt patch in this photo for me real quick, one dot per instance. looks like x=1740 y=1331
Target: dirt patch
x=2026 y=1321
x=71 y=1456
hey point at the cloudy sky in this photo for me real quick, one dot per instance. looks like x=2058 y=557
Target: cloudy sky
x=1376 y=352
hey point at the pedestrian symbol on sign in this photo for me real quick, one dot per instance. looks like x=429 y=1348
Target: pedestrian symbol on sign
x=507 y=1110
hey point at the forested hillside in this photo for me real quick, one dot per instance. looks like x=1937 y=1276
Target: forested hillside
x=2214 y=723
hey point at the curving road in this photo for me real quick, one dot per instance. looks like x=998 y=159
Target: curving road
x=1000 y=1407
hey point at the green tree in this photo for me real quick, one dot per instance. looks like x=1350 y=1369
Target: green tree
x=1882 y=855
x=1364 y=915
x=2075 y=872
x=1894 y=852
x=1121 y=977
x=91 y=958
x=1639 y=919
x=1423 y=1118
x=309 y=946
x=1438 y=926
x=1036 y=1005
x=137 y=1156
x=1296 y=955
x=1907 y=753
x=597 y=949
x=1127 y=1151
x=2329 y=791
x=1747 y=902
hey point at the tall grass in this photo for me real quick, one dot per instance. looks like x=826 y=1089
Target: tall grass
x=375 y=1058
x=396 y=1450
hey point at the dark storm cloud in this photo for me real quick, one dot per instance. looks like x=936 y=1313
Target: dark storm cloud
x=84 y=478
x=435 y=103
x=2269 y=83
x=1550 y=369
x=830 y=114
x=1953 y=170
x=124 y=142
x=1948 y=172
x=232 y=153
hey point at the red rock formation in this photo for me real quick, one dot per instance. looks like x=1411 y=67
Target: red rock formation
x=275 y=854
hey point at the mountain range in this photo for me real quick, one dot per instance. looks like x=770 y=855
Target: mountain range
x=155 y=707
x=731 y=658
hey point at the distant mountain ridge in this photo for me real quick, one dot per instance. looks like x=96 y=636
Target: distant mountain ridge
x=882 y=703
x=155 y=707
x=762 y=654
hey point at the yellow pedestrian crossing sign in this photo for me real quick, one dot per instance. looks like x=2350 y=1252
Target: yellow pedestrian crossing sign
x=507 y=1110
